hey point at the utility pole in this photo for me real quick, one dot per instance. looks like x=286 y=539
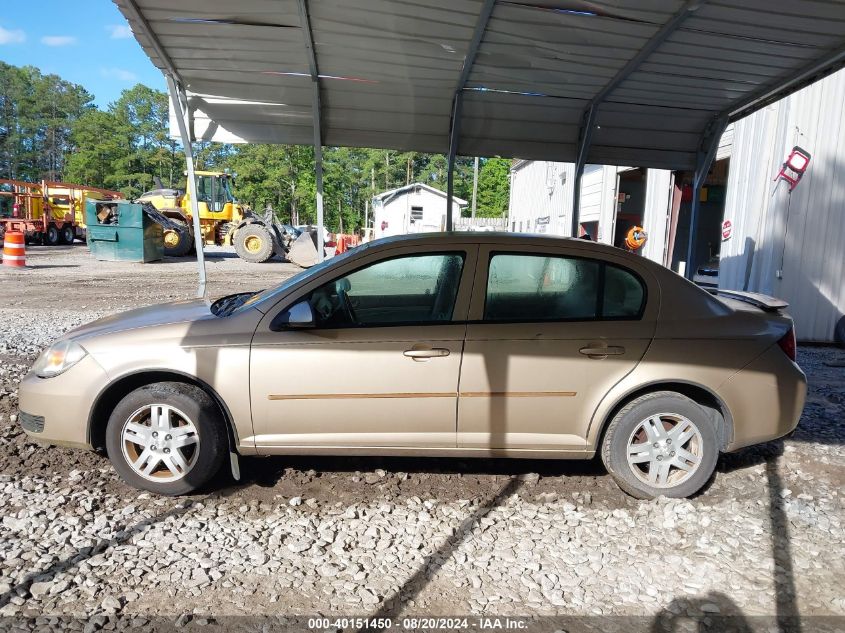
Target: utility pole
x=474 y=187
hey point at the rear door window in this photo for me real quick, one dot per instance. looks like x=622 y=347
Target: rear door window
x=523 y=287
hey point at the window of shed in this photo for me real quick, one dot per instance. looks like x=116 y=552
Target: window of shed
x=416 y=213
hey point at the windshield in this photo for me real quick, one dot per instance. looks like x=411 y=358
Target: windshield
x=214 y=191
x=271 y=294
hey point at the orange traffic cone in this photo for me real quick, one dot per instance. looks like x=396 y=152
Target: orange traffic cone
x=14 y=251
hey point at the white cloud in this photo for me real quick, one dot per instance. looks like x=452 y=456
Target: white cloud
x=120 y=74
x=12 y=37
x=119 y=31
x=58 y=40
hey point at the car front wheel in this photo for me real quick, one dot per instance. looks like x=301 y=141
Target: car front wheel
x=662 y=443
x=168 y=438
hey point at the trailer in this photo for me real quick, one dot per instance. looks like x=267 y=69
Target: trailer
x=47 y=213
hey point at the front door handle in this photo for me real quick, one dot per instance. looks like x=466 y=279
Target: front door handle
x=425 y=354
x=602 y=351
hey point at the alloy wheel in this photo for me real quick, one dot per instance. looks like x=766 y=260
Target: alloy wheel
x=160 y=443
x=664 y=450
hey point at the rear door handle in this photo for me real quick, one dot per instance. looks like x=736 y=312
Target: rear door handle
x=602 y=351
x=425 y=354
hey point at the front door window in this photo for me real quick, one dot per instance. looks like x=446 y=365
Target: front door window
x=410 y=290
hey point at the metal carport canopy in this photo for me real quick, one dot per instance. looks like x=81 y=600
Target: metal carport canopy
x=621 y=82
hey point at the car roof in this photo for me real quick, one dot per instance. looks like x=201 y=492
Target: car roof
x=498 y=237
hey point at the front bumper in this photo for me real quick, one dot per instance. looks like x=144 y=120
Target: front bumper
x=61 y=406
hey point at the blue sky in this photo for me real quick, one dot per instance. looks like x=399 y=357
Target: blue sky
x=84 y=41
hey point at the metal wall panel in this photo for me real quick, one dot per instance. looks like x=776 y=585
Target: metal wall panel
x=541 y=189
x=537 y=192
x=658 y=200
x=801 y=234
x=726 y=143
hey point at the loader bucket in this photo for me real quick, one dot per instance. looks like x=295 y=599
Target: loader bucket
x=303 y=250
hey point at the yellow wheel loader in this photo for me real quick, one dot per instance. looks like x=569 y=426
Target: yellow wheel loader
x=219 y=212
x=223 y=221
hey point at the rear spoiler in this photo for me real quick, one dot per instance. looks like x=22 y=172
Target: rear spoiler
x=764 y=302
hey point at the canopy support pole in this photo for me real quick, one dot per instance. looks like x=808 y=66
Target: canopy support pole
x=703 y=160
x=585 y=138
x=179 y=100
x=454 y=135
x=316 y=109
x=318 y=167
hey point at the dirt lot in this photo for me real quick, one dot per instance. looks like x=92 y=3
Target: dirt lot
x=763 y=543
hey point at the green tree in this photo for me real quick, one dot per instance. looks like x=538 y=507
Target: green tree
x=36 y=116
x=94 y=137
x=493 y=187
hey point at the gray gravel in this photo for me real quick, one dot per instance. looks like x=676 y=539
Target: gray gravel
x=425 y=536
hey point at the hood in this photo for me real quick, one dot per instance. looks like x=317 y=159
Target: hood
x=161 y=314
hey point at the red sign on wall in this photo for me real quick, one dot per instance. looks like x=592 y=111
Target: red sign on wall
x=727 y=230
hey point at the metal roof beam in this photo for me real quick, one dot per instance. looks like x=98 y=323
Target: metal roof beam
x=585 y=134
x=807 y=75
x=475 y=42
x=457 y=101
x=645 y=52
x=169 y=66
x=316 y=113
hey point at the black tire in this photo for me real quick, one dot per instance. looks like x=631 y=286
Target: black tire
x=181 y=245
x=202 y=412
x=52 y=237
x=614 y=449
x=67 y=234
x=254 y=243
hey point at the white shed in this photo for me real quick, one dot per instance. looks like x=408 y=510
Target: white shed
x=414 y=208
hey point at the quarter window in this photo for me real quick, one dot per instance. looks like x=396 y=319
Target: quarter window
x=416 y=289
x=546 y=288
x=623 y=294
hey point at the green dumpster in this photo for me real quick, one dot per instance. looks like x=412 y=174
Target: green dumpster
x=119 y=230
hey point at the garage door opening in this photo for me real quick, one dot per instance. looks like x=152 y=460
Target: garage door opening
x=630 y=203
x=711 y=214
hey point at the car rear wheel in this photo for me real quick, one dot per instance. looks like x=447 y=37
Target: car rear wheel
x=168 y=438
x=662 y=443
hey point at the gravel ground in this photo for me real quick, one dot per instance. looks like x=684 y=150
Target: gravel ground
x=384 y=536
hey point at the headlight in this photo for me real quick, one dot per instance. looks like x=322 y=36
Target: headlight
x=58 y=358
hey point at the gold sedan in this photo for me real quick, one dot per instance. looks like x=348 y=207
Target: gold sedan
x=462 y=344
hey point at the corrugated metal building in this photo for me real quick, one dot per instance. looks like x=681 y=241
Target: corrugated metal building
x=541 y=197
x=791 y=245
x=541 y=200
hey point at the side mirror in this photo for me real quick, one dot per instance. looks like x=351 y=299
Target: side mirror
x=298 y=316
